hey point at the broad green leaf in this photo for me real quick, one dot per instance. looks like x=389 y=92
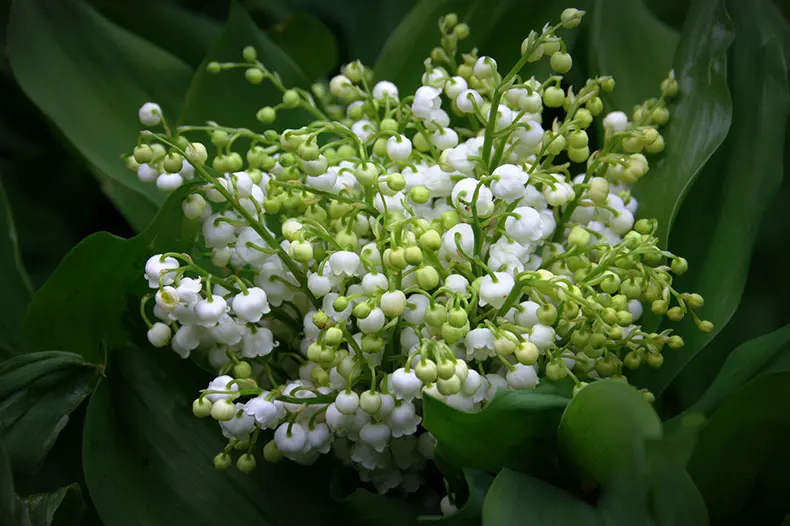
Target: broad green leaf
x=747 y=362
x=182 y=32
x=721 y=216
x=604 y=425
x=227 y=97
x=102 y=74
x=38 y=392
x=362 y=31
x=515 y=498
x=7 y=496
x=81 y=308
x=308 y=42
x=628 y=42
x=514 y=429
x=700 y=115
x=470 y=512
x=17 y=290
x=140 y=434
x=676 y=501
x=739 y=443
x=62 y=507
x=497 y=28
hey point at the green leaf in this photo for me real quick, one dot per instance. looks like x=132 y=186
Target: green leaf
x=62 y=507
x=675 y=499
x=81 y=307
x=628 y=42
x=515 y=498
x=747 y=362
x=700 y=116
x=721 y=216
x=227 y=97
x=141 y=435
x=38 y=392
x=508 y=431
x=7 y=496
x=308 y=42
x=17 y=290
x=179 y=31
x=739 y=443
x=605 y=424
x=102 y=73
x=471 y=512
x=497 y=28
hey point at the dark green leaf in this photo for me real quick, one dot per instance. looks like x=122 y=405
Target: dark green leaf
x=182 y=32
x=515 y=499
x=471 y=512
x=628 y=42
x=497 y=28
x=80 y=309
x=16 y=284
x=7 y=496
x=227 y=97
x=102 y=74
x=738 y=443
x=38 y=393
x=140 y=434
x=372 y=508
x=750 y=360
x=308 y=42
x=62 y=507
x=700 y=117
x=508 y=431
x=605 y=424
x=721 y=216
x=675 y=500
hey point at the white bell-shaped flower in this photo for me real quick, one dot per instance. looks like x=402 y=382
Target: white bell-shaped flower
x=495 y=292
x=223 y=385
x=542 y=336
x=251 y=304
x=464 y=191
x=385 y=90
x=266 y=414
x=524 y=225
x=159 y=334
x=290 y=438
x=405 y=385
x=510 y=183
x=460 y=235
x=258 y=342
x=157 y=266
x=615 y=121
x=522 y=377
x=344 y=263
x=240 y=426
x=150 y=114
x=404 y=419
x=373 y=322
x=376 y=435
x=399 y=148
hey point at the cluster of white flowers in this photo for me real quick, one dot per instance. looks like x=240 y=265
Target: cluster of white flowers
x=446 y=243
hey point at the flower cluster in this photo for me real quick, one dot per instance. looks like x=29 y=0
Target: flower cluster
x=449 y=242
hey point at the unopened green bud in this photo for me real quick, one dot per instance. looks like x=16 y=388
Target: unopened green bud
x=571 y=18
x=246 y=463
x=679 y=265
x=561 y=63
x=291 y=98
x=675 y=313
x=420 y=194
x=553 y=97
x=426 y=371
x=254 y=75
x=222 y=461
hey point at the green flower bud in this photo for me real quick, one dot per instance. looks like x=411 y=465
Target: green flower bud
x=254 y=75
x=427 y=278
x=578 y=139
x=426 y=371
x=632 y=360
x=675 y=313
x=632 y=144
x=571 y=18
x=578 y=155
x=505 y=346
x=397 y=258
x=547 y=314
x=361 y=310
x=679 y=265
x=610 y=283
x=656 y=146
x=388 y=125
x=435 y=315
x=598 y=190
x=669 y=87
x=561 y=62
x=201 y=407
x=461 y=31
x=301 y=251
x=314 y=352
x=607 y=84
x=631 y=288
x=457 y=317
x=222 y=461
x=271 y=453
x=606 y=366
x=308 y=151
x=419 y=194
x=341 y=303
x=291 y=98
x=347 y=240
x=449 y=219
x=380 y=147
x=420 y=142
x=366 y=173
x=597 y=339
x=553 y=97
x=705 y=326
x=453 y=334
x=445 y=369
x=370 y=402
x=593 y=352
x=527 y=353
x=242 y=370
x=333 y=336
x=594 y=106
x=551 y=45
x=660 y=115
x=583 y=118
x=249 y=54
x=234 y=162
x=624 y=318
x=659 y=307
x=655 y=360
x=580 y=338
x=430 y=240
x=396 y=182
x=449 y=386
x=213 y=67
x=579 y=237
x=173 y=163
x=143 y=154
x=557 y=144
x=675 y=342
x=556 y=371
x=223 y=410
x=246 y=463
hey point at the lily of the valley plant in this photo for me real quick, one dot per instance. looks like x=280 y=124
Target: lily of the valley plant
x=450 y=242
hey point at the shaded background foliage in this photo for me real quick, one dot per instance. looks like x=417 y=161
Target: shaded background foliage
x=74 y=71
